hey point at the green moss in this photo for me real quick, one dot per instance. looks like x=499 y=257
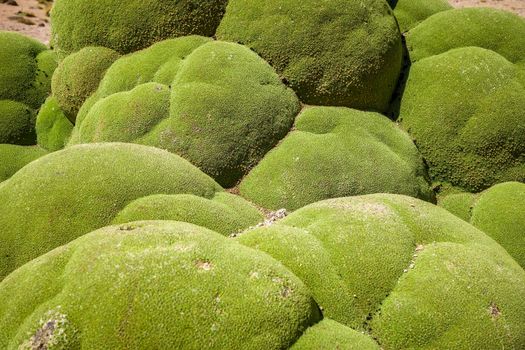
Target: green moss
x=459 y=204
x=52 y=126
x=329 y=334
x=14 y=157
x=465 y=110
x=337 y=152
x=491 y=29
x=154 y=285
x=216 y=104
x=409 y=13
x=17 y=123
x=339 y=53
x=78 y=76
x=127 y=26
x=26 y=67
x=68 y=193
x=224 y=213
x=405 y=271
x=497 y=211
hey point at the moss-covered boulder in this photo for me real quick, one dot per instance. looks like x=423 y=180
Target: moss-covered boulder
x=465 y=109
x=68 y=193
x=129 y=25
x=26 y=67
x=498 y=211
x=409 y=13
x=337 y=152
x=15 y=157
x=52 y=127
x=78 y=76
x=154 y=285
x=217 y=104
x=225 y=213
x=339 y=52
x=491 y=29
x=407 y=272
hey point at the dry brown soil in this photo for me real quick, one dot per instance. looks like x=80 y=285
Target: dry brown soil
x=30 y=16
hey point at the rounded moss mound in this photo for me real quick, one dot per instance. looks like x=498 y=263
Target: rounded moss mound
x=409 y=13
x=339 y=52
x=26 y=67
x=466 y=111
x=71 y=192
x=498 y=211
x=154 y=285
x=329 y=334
x=410 y=274
x=337 y=152
x=491 y=29
x=78 y=76
x=225 y=213
x=52 y=126
x=216 y=104
x=14 y=157
x=127 y=26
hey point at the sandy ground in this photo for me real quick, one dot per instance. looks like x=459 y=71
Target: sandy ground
x=30 y=16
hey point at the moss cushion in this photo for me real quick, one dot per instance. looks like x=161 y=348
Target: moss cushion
x=154 y=285
x=26 y=66
x=68 y=193
x=216 y=104
x=497 y=211
x=408 y=273
x=409 y=13
x=338 y=53
x=52 y=127
x=465 y=110
x=78 y=76
x=15 y=157
x=129 y=25
x=336 y=152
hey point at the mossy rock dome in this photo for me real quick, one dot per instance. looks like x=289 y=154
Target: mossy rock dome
x=497 y=211
x=491 y=29
x=337 y=152
x=78 y=76
x=129 y=25
x=53 y=128
x=409 y=13
x=216 y=104
x=154 y=285
x=338 y=53
x=404 y=271
x=465 y=109
x=68 y=193
x=26 y=67
x=15 y=157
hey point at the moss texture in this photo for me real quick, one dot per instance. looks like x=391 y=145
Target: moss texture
x=78 y=76
x=339 y=53
x=225 y=213
x=407 y=272
x=331 y=335
x=127 y=26
x=465 y=110
x=216 y=104
x=52 y=126
x=68 y=193
x=337 y=152
x=154 y=285
x=26 y=67
x=491 y=29
x=497 y=211
x=15 y=157
x=409 y=13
